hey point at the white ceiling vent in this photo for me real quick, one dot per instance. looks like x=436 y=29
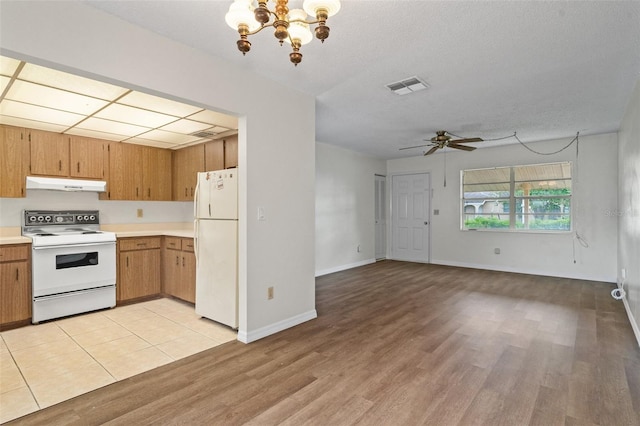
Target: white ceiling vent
x=409 y=85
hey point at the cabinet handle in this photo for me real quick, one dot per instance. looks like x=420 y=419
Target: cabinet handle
x=17 y=274
x=127 y=261
x=136 y=191
x=186 y=192
x=78 y=167
x=182 y=260
x=178 y=260
x=149 y=192
x=59 y=165
x=192 y=191
x=141 y=244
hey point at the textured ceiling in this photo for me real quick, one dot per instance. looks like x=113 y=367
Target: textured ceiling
x=542 y=69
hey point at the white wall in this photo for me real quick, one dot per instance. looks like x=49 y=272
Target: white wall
x=594 y=200
x=345 y=201
x=629 y=208
x=72 y=37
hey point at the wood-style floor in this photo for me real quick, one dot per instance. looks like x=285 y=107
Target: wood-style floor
x=403 y=344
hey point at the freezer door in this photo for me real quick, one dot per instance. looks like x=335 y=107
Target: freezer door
x=217 y=271
x=202 y=197
x=217 y=195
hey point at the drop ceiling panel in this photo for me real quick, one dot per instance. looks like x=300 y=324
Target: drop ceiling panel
x=70 y=82
x=31 y=124
x=8 y=66
x=168 y=137
x=38 y=113
x=147 y=142
x=135 y=116
x=4 y=81
x=215 y=118
x=154 y=103
x=186 y=126
x=95 y=134
x=108 y=126
x=53 y=98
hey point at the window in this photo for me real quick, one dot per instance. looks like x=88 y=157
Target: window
x=520 y=198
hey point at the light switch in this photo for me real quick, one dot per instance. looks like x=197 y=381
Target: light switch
x=261 y=214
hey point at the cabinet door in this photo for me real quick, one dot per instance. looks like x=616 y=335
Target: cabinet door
x=231 y=152
x=188 y=278
x=49 y=153
x=214 y=155
x=86 y=156
x=139 y=274
x=15 y=291
x=171 y=264
x=187 y=162
x=156 y=174
x=125 y=180
x=14 y=161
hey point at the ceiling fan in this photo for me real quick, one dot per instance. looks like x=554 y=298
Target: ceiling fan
x=443 y=140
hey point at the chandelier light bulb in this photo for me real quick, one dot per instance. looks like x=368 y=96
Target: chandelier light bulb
x=299 y=30
x=312 y=6
x=241 y=13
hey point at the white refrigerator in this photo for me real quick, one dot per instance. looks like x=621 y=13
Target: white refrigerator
x=216 y=246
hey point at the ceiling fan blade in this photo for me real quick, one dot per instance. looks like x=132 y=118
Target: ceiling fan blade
x=431 y=151
x=462 y=147
x=411 y=147
x=468 y=140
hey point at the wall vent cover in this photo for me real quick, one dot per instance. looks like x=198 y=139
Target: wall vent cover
x=408 y=85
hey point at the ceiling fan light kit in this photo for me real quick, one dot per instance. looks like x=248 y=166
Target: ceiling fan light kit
x=443 y=140
x=249 y=17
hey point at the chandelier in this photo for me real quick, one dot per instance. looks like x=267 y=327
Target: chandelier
x=291 y=26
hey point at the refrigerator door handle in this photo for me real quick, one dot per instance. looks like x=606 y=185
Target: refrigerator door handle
x=195 y=197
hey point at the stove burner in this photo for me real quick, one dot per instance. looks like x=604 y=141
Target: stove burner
x=45 y=234
x=92 y=232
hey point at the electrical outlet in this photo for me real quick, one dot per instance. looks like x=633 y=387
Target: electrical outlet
x=139 y=213
x=270 y=293
x=496 y=250
x=358 y=249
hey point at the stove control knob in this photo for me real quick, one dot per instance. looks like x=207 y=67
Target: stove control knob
x=32 y=219
x=47 y=218
x=40 y=218
x=59 y=219
x=92 y=217
x=79 y=217
x=86 y=217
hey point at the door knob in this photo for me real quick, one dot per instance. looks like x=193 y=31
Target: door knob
x=426 y=223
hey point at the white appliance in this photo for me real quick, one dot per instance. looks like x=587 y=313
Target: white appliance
x=61 y=184
x=73 y=263
x=216 y=246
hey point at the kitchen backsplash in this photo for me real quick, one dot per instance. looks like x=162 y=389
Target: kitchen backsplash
x=110 y=211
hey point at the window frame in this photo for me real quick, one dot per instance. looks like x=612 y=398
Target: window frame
x=512 y=199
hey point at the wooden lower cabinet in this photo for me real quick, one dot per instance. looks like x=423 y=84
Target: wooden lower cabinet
x=15 y=283
x=179 y=268
x=138 y=268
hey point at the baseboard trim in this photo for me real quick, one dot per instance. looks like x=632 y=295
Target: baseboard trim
x=632 y=320
x=344 y=267
x=252 y=336
x=602 y=278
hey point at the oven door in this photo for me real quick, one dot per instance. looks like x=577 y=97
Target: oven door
x=65 y=268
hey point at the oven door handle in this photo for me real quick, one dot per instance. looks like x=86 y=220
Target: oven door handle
x=106 y=243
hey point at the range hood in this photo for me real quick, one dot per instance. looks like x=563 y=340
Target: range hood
x=62 y=184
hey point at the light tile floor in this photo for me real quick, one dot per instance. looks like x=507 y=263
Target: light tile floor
x=42 y=365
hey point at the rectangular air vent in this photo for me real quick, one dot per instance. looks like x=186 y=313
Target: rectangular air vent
x=409 y=85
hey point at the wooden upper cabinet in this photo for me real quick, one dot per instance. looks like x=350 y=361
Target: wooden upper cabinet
x=14 y=161
x=49 y=153
x=86 y=157
x=156 y=174
x=125 y=178
x=231 y=152
x=214 y=155
x=187 y=162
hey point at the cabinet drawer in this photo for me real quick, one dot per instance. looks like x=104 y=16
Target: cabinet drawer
x=187 y=244
x=12 y=252
x=172 y=243
x=129 y=244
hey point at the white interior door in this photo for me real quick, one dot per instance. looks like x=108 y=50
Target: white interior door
x=381 y=217
x=410 y=217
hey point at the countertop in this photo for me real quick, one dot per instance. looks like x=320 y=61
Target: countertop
x=12 y=235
